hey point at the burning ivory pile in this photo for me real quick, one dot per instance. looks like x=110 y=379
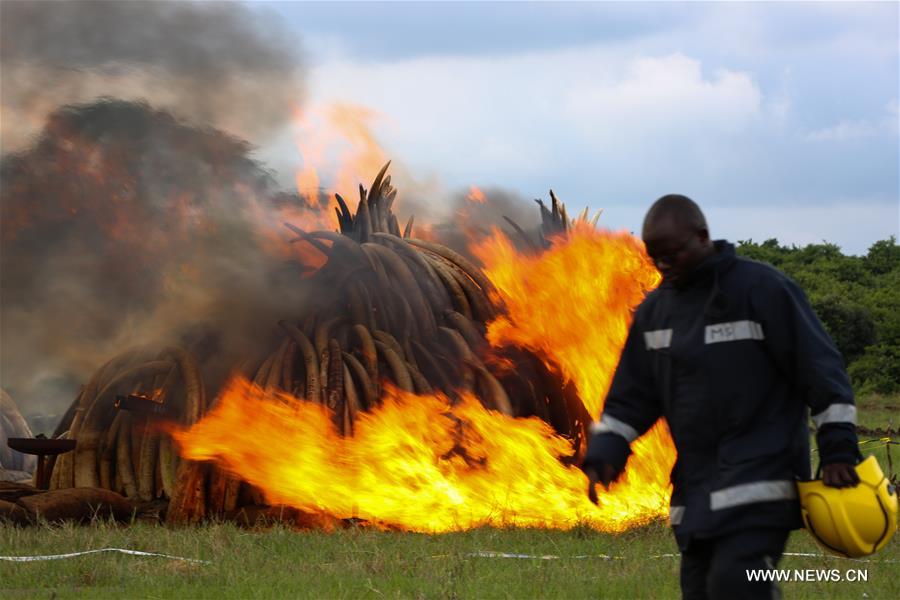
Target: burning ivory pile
x=406 y=312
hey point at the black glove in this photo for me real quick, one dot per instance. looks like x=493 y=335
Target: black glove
x=602 y=473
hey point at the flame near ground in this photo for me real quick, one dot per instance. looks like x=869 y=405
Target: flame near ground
x=420 y=464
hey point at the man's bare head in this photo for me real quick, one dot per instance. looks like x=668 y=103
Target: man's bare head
x=678 y=208
x=676 y=235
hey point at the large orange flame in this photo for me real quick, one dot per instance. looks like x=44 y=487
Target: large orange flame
x=416 y=462
x=573 y=303
x=419 y=463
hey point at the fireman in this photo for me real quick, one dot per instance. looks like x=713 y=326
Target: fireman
x=730 y=352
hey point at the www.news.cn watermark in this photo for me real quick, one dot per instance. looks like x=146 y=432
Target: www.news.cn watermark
x=826 y=575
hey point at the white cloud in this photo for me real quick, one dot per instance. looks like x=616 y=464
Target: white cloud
x=854 y=129
x=616 y=125
x=847 y=129
x=476 y=118
x=664 y=96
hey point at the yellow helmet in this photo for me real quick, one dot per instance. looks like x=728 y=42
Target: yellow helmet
x=853 y=521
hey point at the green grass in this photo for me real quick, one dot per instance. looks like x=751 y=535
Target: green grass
x=878 y=419
x=877 y=412
x=359 y=563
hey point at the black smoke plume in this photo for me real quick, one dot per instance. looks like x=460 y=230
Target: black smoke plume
x=124 y=225
x=217 y=63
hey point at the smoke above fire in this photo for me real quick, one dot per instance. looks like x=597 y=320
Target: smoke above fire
x=457 y=218
x=216 y=63
x=124 y=225
x=476 y=211
x=133 y=211
x=128 y=215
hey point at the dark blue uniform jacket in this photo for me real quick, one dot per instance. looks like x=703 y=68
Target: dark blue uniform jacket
x=735 y=359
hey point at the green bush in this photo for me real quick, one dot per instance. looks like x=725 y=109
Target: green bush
x=883 y=256
x=878 y=370
x=856 y=297
x=849 y=325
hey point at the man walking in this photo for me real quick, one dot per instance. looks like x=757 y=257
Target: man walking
x=730 y=352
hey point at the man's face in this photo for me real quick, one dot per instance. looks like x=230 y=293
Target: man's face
x=675 y=248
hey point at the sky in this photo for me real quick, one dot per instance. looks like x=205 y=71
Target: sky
x=779 y=119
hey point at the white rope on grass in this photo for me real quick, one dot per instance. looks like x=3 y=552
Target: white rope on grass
x=84 y=552
x=490 y=554
x=866 y=560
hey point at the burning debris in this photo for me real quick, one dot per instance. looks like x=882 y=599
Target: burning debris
x=370 y=373
x=191 y=58
x=403 y=392
x=124 y=224
x=400 y=312
x=406 y=310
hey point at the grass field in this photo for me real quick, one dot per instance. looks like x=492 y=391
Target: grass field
x=362 y=563
x=357 y=563
x=877 y=412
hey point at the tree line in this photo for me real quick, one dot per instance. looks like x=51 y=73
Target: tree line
x=856 y=297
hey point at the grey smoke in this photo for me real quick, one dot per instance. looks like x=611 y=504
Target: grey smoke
x=124 y=225
x=469 y=220
x=73 y=293
x=217 y=63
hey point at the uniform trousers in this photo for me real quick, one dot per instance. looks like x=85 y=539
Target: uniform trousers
x=716 y=568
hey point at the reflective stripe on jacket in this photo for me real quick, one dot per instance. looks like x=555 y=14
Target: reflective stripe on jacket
x=735 y=359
